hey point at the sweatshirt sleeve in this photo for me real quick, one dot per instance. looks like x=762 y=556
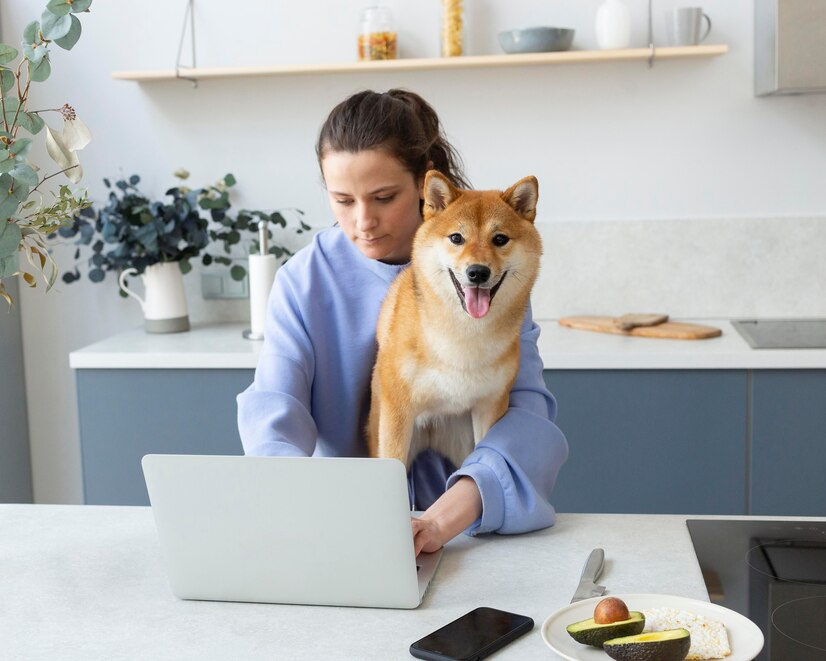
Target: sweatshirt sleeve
x=276 y=406
x=516 y=464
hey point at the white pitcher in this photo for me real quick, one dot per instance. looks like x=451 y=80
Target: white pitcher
x=164 y=308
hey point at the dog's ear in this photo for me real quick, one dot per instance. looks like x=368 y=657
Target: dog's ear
x=522 y=197
x=438 y=193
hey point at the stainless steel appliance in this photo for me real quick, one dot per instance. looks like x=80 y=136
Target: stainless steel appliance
x=789 y=46
x=774 y=573
x=783 y=333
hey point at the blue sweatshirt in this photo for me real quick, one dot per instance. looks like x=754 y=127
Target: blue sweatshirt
x=311 y=393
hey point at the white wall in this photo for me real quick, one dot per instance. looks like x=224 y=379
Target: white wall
x=704 y=175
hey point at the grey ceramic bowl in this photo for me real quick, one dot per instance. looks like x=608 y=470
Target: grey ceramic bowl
x=536 y=40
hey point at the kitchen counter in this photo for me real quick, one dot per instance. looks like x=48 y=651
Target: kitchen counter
x=221 y=346
x=86 y=582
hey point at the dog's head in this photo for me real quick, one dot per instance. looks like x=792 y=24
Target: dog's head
x=477 y=245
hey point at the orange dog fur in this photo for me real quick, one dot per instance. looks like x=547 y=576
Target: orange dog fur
x=449 y=328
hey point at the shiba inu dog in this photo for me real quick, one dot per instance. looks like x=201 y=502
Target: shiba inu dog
x=449 y=328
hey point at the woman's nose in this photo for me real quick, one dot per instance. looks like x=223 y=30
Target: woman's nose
x=365 y=217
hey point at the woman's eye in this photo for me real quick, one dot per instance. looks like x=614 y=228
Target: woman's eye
x=500 y=240
x=344 y=202
x=387 y=198
x=456 y=239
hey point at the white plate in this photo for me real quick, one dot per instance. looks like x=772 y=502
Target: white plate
x=745 y=637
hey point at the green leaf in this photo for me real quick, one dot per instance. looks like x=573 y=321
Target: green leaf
x=31 y=122
x=31 y=32
x=24 y=174
x=35 y=54
x=68 y=42
x=9 y=265
x=10 y=201
x=186 y=267
x=237 y=273
x=6 y=80
x=7 y=53
x=7 y=161
x=10 y=237
x=20 y=148
x=59 y=7
x=54 y=26
x=33 y=48
x=229 y=180
x=41 y=71
x=80 y=5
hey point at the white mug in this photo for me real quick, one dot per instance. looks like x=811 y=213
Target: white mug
x=683 y=26
x=164 y=308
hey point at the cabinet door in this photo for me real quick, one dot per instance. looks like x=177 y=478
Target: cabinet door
x=788 y=442
x=125 y=414
x=652 y=441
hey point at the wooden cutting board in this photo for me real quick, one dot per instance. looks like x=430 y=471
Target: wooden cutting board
x=669 y=330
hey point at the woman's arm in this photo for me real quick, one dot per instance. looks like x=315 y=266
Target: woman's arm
x=274 y=412
x=516 y=464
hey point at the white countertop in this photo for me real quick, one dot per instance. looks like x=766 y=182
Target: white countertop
x=221 y=346
x=86 y=582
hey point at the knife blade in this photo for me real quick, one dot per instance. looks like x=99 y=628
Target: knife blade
x=588 y=587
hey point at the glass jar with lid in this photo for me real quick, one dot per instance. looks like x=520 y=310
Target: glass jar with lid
x=452 y=28
x=377 y=40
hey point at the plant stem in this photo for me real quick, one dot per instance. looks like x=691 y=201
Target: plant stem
x=71 y=167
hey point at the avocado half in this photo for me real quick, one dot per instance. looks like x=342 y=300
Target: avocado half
x=671 y=645
x=589 y=632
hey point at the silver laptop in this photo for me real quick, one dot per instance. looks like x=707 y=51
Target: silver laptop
x=293 y=530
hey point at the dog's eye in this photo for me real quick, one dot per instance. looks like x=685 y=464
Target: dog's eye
x=500 y=240
x=456 y=239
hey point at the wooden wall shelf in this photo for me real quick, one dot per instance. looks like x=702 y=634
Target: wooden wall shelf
x=421 y=64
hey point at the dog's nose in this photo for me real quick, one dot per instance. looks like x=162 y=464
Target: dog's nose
x=478 y=274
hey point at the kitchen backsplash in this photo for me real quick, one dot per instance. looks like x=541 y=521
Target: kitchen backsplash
x=718 y=268
x=709 y=268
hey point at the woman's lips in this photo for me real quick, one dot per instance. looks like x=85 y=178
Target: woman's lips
x=371 y=242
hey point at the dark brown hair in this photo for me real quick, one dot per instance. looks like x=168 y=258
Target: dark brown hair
x=397 y=121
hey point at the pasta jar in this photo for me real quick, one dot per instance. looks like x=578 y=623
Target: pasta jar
x=377 y=40
x=452 y=28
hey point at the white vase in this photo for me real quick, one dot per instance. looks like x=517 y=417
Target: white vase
x=613 y=25
x=164 y=308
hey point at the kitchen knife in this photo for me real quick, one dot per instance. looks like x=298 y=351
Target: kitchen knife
x=590 y=573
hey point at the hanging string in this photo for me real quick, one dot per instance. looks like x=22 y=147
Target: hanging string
x=190 y=14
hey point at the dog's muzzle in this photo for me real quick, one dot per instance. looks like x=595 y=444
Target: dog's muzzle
x=476 y=299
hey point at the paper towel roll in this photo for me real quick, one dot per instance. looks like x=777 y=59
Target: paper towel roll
x=262 y=273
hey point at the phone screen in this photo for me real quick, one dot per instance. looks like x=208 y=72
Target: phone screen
x=473 y=636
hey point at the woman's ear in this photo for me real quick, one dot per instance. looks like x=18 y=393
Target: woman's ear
x=522 y=197
x=438 y=193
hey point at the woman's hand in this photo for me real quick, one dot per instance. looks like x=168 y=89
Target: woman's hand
x=454 y=511
x=427 y=536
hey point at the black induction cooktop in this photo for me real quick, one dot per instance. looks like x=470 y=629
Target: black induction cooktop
x=774 y=573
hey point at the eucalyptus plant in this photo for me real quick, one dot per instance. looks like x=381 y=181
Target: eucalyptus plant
x=132 y=231
x=26 y=218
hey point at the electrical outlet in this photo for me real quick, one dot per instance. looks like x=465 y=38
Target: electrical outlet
x=219 y=284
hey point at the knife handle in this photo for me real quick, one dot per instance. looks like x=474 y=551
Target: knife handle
x=593 y=565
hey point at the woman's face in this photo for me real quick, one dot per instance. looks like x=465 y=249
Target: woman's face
x=375 y=200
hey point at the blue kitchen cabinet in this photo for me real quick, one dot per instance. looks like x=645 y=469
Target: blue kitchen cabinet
x=127 y=413
x=652 y=441
x=788 y=442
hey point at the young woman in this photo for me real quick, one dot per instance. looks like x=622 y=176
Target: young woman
x=311 y=393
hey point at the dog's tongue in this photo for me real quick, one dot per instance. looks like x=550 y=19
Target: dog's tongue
x=477 y=301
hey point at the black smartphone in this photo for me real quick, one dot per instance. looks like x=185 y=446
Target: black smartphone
x=473 y=636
